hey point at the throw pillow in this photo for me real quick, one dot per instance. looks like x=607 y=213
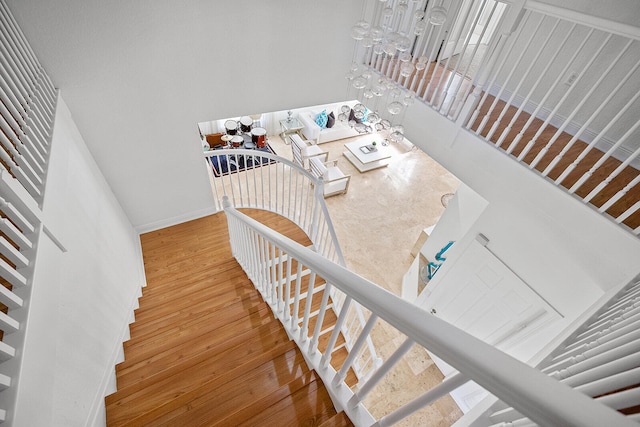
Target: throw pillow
x=353 y=117
x=321 y=119
x=331 y=120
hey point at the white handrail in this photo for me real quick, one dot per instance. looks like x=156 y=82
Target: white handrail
x=280 y=186
x=532 y=393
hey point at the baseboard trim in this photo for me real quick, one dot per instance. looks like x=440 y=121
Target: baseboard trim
x=168 y=222
x=588 y=135
x=97 y=414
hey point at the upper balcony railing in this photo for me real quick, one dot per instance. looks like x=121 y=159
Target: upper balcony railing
x=554 y=89
x=27 y=107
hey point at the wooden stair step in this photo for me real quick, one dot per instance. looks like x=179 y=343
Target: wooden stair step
x=189 y=314
x=217 y=398
x=176 y=288
x=205 y=322
x=185 y=280
x=174 y=395
x=241 y=346
x=149 y=311
x=204 y=348
x=306 y=406
x=195 y=333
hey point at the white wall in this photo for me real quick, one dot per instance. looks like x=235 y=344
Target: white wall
x=545 y=235
x=82 y=299
x=138 y=77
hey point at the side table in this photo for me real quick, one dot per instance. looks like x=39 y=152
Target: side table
x=287 y=127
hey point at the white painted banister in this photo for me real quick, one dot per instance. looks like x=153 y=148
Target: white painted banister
x=276 y=184
x=531 y=392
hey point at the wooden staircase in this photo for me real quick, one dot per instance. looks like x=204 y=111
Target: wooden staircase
x=205 y=349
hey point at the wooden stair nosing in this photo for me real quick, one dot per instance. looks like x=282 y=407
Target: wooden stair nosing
x=232 y=410
x=147 y=313
x=186 y=280
x=207 y=361
x=241 y=327
x=186 y=315
x=209 y=320
x=152 y=347
x=242 y=413
x=180 y=403
x=307 y=406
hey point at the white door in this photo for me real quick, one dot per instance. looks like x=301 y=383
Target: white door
x=482 y=296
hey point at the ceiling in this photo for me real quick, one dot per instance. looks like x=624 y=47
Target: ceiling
x=138 y=76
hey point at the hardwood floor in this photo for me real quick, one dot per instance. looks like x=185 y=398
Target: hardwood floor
x=534 y=136
x=205 y=349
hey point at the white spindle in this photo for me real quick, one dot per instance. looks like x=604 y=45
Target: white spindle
x=542 y=47
x=594 y=351
x=381 y=372
x=457 y=91
x=633 y=209
x=304 y=330
x=320 y=318
x=512 y=71
x=326 y=357
x=355 y=350
x=296 y=298
x=435 y=393
x=614 y=382
x=287 y=291
x=552 y=90
x=599 y=361
x=621 y=400
x=612 y=175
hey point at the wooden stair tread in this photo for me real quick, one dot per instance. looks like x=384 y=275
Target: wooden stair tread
x=205 y=349
x=307 y=406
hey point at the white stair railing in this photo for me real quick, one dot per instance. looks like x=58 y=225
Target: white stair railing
x=601 y=359
x=262 y=180
x=27 y=109
x=265 y=254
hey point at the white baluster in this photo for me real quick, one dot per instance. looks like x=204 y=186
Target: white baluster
x=512 y=71
x=526 y=76
x=612 y=175
x=435 y=393
x=381 y=372
x=320 y=318
x=304 y=330
x=353 y=353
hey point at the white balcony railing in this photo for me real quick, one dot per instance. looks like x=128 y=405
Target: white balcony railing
x=554 y=89
x=27 y=108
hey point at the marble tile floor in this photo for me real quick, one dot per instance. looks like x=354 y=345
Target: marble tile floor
x=377 y=223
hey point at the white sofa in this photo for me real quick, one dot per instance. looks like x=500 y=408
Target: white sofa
x=313 y=132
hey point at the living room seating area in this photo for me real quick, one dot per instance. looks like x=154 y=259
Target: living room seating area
x=335 y=181
x=303 y=151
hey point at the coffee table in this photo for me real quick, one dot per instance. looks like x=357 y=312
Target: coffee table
x=363 y=158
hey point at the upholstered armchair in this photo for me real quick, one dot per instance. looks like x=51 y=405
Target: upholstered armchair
x=335 y=181
x=303 y=151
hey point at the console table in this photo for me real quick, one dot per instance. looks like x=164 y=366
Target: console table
x=365 y=160
x=287 y=127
